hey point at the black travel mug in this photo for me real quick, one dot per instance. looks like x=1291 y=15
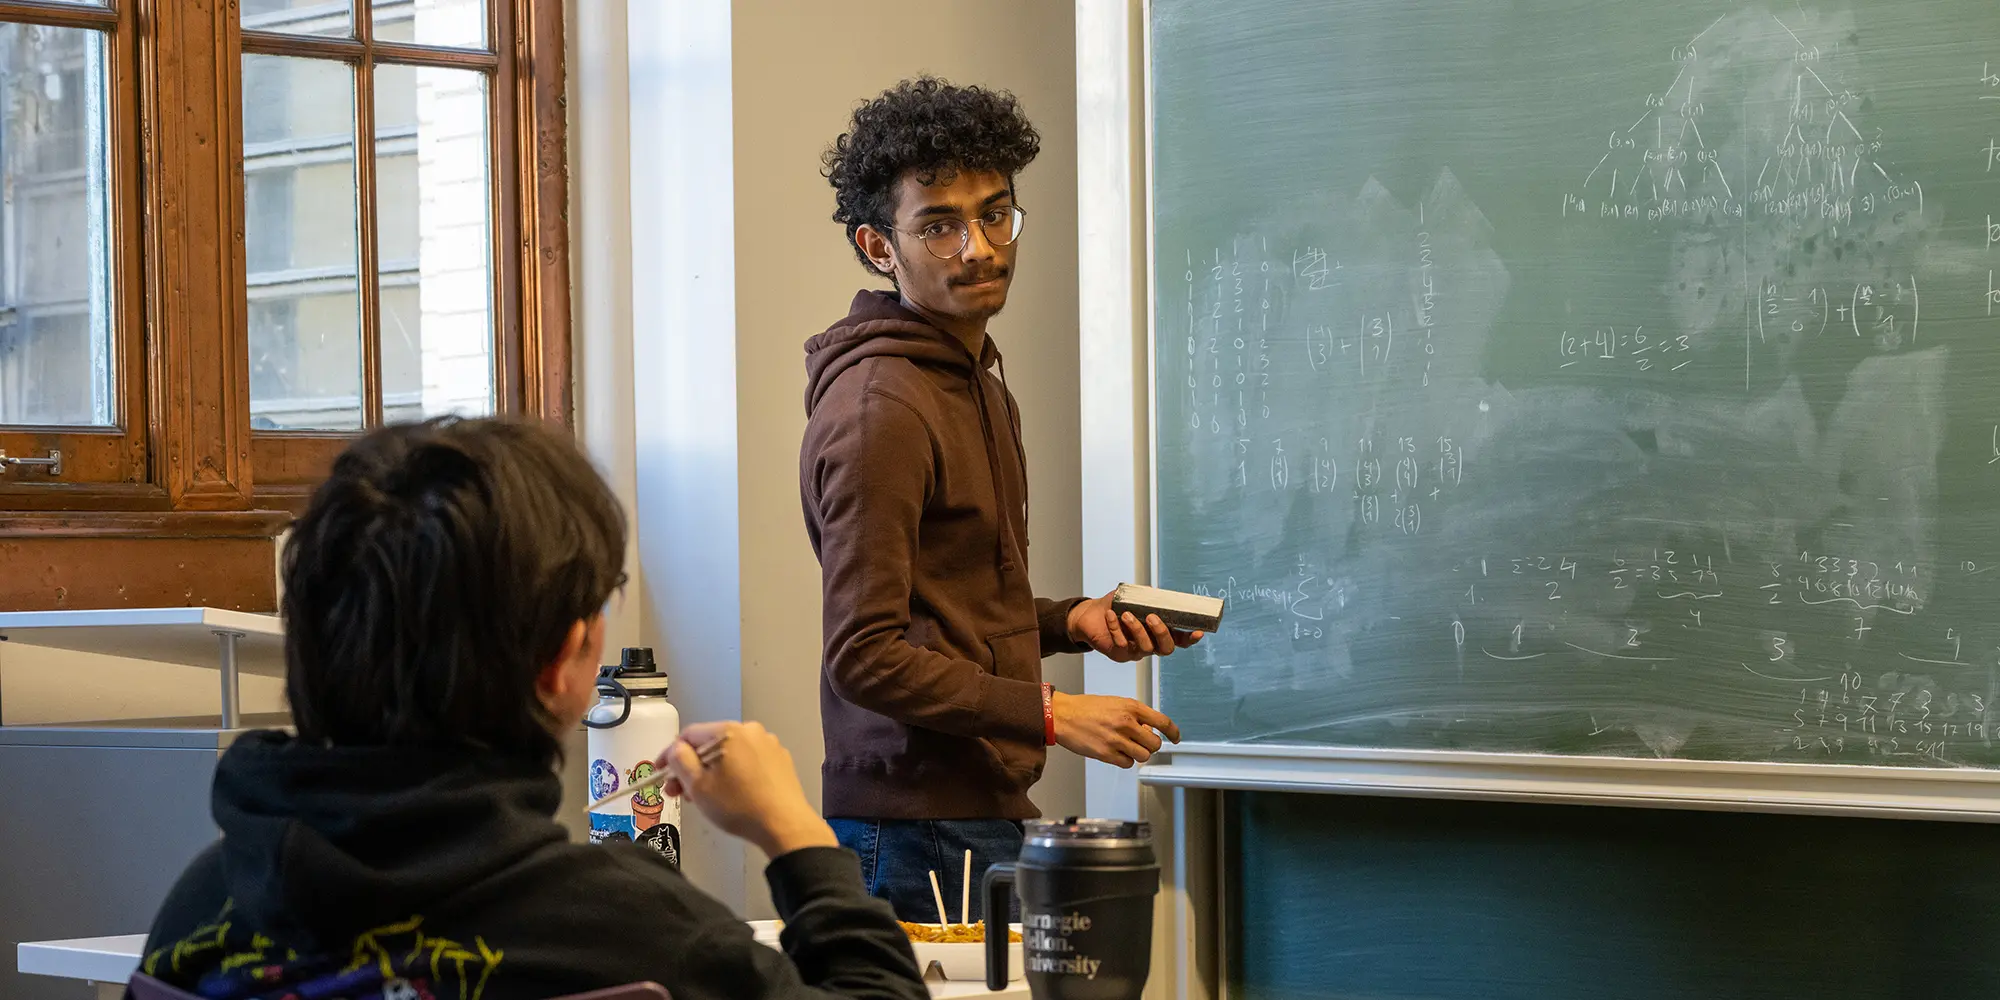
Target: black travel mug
x=1086 y=888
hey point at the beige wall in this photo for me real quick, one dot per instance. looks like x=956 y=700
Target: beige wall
x=39 y=686
x=799 y=69
x=730 y=588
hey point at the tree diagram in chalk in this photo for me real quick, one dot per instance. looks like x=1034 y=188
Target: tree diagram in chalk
x=1763 y=164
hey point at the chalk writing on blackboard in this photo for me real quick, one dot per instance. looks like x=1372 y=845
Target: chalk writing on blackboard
x=1669 y=452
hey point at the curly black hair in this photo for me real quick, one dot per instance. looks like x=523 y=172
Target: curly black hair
x=929 y=126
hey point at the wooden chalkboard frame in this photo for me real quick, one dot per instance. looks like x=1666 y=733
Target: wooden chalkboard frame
x=1117 y=327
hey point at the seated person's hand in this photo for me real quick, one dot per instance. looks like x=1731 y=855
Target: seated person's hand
x=750 y=791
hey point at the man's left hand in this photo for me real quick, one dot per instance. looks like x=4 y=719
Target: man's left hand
x=1124 y=638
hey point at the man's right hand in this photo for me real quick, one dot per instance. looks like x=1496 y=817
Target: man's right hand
x=751 y=791
x=1116 y=731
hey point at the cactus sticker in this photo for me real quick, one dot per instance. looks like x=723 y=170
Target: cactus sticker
x=648 y=803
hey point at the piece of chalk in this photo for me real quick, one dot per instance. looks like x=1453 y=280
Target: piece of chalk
x=1186 y=612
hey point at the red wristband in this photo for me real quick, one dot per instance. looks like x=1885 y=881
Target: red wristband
x=1049 y=714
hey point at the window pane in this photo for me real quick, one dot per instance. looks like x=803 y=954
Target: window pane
x=435 y=240
x=459 y=23
x=300 y=17
x=56 y=341
x=300 y=229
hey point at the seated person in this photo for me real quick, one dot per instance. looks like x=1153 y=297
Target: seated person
x=443 y=604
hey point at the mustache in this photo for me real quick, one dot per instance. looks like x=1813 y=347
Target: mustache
x=975 y=277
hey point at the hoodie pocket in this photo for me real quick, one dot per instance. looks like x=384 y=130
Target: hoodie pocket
x=1017 y=653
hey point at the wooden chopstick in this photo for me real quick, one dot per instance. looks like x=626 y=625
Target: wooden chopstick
x=708 y=753
x=937 y=896
x=965 y=892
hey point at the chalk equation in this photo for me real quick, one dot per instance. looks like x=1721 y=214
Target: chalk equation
x=1268 y=327
x=1679 y=609
x=1633 y=346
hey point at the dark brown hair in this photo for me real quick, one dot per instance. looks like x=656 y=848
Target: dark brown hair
x=928 y=126
x=436 y=572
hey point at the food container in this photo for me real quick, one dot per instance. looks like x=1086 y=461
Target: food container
x=955 y=962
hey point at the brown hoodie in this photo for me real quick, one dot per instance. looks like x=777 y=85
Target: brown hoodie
x=915 y=490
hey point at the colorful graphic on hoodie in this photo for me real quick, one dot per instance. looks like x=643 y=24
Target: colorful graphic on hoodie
x=395 y=962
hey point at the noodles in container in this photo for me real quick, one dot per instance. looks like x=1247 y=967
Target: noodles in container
x=957 y=952
x=951 y=933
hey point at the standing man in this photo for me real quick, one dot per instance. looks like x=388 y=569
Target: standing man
x=915 y=490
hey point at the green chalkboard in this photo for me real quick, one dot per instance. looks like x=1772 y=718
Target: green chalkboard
x=1345 y=898
x=1582 y=377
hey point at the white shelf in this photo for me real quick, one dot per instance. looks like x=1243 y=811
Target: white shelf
x=230 y=641
x=1850 y=790
x=162 y=635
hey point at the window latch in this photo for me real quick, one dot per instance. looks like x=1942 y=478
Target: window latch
x=53 y=463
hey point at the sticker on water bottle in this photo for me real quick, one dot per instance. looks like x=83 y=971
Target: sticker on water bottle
x=666 y=839
x=610 y=827
x=603 y=778
x=648 y=804
x=654 y=819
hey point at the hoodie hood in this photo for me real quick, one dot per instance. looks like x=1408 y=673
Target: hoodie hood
x=878 y=326
x=320 y=840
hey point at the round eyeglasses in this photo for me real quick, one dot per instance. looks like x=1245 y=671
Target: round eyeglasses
x=947 y=238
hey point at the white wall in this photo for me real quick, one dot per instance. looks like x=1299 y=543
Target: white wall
x=1111 y=282
x=600 y=204
x=729 y=108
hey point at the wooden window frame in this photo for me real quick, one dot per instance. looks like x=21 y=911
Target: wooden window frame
x=183 y=480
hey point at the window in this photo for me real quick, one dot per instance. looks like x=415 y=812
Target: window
x=56 y=337
x=72 y=367
x=234 y=235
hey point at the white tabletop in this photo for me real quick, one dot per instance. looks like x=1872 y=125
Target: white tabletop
x=104 y=959
x=166 y=635
x=113 y=960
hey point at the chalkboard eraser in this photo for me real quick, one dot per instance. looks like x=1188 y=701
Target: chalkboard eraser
x=1186 y=612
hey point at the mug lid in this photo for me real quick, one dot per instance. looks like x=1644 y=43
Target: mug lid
x=1080 y=832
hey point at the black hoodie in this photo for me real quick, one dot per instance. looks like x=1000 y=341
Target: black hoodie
x=441 y=873
x=915 y=492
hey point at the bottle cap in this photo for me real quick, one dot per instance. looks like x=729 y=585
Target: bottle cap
x=636 y=671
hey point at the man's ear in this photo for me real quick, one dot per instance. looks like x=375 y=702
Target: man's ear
x=877 y=246
x=558 y=678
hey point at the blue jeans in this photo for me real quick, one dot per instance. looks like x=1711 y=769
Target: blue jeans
x=898 y=855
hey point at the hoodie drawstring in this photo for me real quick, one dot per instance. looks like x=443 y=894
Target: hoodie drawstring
x=1014 y=428
x=1001 y=554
